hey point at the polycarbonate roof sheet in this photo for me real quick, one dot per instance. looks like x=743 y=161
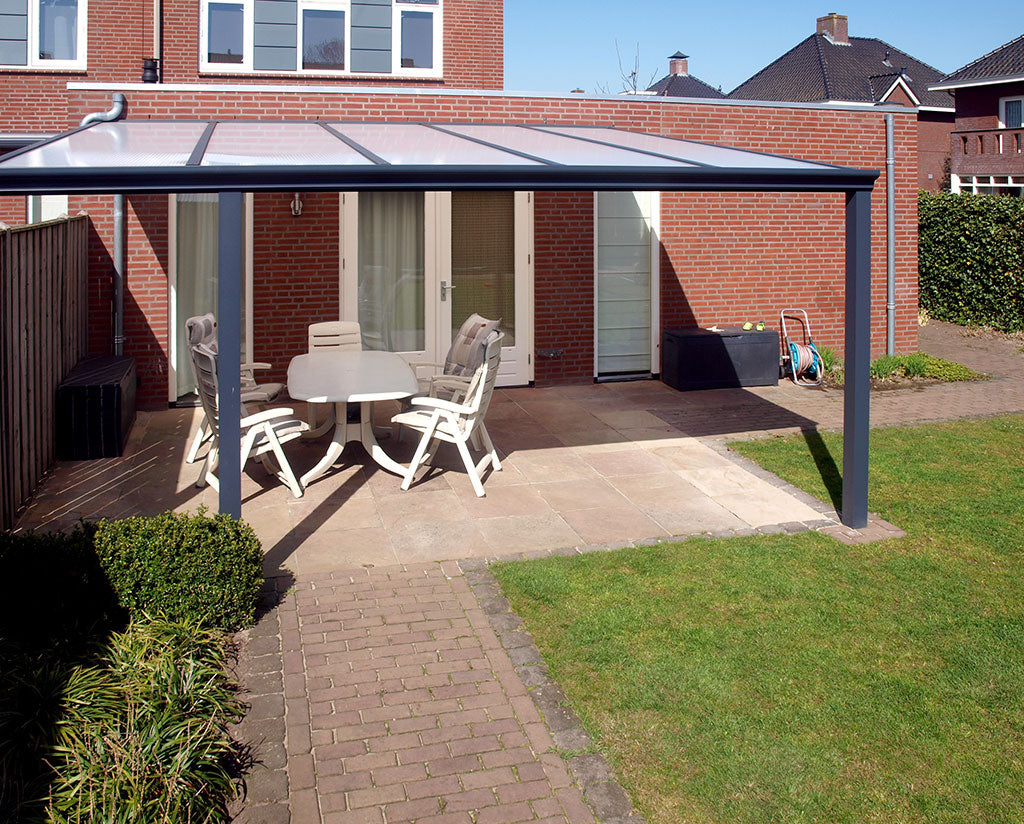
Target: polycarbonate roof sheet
x=247 y=143
x=415 y=144
x=560 y=149
x=703 y=153
x=129 y=156
x=147 y=143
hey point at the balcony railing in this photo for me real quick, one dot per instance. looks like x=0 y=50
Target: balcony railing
x=988 y=152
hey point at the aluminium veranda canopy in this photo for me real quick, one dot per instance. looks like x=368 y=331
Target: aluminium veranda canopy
x=233 y=157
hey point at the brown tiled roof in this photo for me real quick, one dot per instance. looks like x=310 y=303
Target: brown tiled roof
x=684 y=85
x=1006 y=61
x=816 y=69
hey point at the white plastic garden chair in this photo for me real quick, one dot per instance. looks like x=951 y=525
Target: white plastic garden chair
x=263 y=434
x=464 y=356
x=203 y=329
x=444 y=420
x=331 y=334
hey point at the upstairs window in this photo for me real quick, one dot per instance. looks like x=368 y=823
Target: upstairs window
x=43 y=34
x=342 y=37
x=1011 y=112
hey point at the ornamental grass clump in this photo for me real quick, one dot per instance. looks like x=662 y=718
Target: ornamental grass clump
x=144 y=733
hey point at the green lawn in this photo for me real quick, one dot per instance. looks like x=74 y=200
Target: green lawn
x=794 y=679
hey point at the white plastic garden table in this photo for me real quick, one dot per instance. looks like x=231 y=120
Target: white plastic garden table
x=342 y=377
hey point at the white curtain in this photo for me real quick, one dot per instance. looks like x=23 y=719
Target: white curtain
x=196 y=272
x=391 y=308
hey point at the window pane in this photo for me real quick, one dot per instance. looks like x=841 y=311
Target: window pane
x=417 y=40
x=58 y=29
x=484 y=259
x=323 y=39
x=1013 y=113
x=226 y=42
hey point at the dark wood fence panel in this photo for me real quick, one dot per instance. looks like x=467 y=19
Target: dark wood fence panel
x=43 y=316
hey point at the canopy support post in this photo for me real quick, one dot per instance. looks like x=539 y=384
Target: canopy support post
x=230 y=226
x=856 y=395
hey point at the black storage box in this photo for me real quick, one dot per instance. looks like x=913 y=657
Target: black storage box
x=698 y=358
x=95 y=409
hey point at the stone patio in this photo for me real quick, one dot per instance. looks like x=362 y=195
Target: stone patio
x=586 y=465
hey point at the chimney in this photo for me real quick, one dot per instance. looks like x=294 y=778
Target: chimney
x=835 y=27
x=678 y=64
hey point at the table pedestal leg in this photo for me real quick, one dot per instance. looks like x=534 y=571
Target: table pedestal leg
x=369 y=440
x=334 y=449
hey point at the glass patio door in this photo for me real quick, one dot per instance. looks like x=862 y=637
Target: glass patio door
x=487 y=259
x=388 y=269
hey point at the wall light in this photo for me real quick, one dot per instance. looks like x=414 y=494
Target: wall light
x=296 y=205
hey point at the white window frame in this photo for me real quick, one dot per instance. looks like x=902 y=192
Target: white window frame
x=248 y=34
x=248 y=29
x=34 y=61
x=437 y=11
x=1002 y=109
x=324 y=5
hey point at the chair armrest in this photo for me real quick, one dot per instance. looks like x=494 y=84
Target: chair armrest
x=255 y=366
x=267 y=415
x=438 y=403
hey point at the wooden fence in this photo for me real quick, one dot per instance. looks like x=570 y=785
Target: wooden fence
x=43 y=317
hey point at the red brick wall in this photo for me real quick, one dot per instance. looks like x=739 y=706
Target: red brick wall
x=933 y=133
x=13 y=211
x=295 y=274
x=726 y=257
x=978 y=109
x=563 y=287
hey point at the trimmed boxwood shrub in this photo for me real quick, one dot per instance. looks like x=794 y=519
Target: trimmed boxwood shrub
x=971 y=259
x=186 y=567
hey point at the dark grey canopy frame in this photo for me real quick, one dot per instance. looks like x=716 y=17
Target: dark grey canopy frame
x=234 y=157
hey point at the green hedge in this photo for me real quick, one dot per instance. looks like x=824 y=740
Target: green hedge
x=971 y=259
x=185 y=567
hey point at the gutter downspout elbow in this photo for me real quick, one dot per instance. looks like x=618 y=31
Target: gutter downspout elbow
x=890 y=237
x=115 y=112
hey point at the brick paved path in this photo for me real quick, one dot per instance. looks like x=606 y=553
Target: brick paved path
x=400 y=705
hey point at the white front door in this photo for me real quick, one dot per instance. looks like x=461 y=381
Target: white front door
x=415 y=265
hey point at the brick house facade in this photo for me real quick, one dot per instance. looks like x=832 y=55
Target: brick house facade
x=987 y=144
x=721 y=258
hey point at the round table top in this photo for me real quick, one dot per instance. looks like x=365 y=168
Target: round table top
x=335 y=375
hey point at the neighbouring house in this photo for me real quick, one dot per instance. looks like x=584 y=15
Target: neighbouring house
x=987 y=145
x=680 y=83
x=830 y=65
x=584 y=282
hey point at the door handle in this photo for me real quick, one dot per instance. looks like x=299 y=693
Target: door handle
x=445 y=287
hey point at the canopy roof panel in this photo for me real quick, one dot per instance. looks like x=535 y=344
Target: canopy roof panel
x=179 y=156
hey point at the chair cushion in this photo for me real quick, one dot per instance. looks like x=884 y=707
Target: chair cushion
x=467 y=350
x=201 y=329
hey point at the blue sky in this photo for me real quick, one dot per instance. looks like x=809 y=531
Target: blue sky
x=559 y=45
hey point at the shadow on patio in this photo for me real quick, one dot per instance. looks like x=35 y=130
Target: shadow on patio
x=582 y=465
